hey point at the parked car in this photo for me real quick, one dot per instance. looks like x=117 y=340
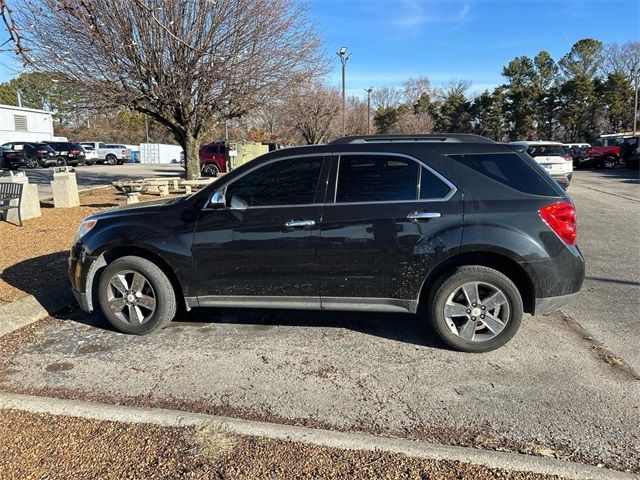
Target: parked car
x=465 y=232
x=111 y=154
x=213 y=159
x=630 y=152
x=578 y=153
x=38 y=154
x=90 y=154
x=11 y=159
x=72 y=153
x=553 y=157
x=607 y=152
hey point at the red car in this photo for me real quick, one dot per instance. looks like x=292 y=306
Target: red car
x=213 y=159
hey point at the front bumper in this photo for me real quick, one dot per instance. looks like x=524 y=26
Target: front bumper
x=82 y=272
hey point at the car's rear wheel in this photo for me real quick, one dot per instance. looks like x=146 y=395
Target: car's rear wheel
x=136 y=296
x=111 y=160
x=210 y=170
x=32 y=162
x=475 y=309
x=610 y=162
x=60 y=162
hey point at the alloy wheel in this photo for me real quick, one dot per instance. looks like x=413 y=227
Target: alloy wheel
x=476 y=311
x=131 y=297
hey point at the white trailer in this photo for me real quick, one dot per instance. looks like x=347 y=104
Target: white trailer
x=159 y=153
x=19 y=124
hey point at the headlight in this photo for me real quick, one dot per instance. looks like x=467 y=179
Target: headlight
x=84 y=228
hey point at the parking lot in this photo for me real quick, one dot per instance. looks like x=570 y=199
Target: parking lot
x=567 y=386
x=95 y=175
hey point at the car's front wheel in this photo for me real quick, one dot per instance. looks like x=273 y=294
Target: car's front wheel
x=475 y=309
x=210 y=170
x=136 y=296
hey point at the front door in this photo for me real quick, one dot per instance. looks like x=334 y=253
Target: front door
x=260 y=249
x=390 y=219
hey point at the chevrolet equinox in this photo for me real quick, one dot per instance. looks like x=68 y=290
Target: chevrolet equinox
x=464 y=232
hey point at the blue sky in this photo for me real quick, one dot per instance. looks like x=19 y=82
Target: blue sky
x=391 y=40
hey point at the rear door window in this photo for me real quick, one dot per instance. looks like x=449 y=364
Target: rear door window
x=376 y=178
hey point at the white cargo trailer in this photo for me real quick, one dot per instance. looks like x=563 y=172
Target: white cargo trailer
x=19 y=124
x=159 y=153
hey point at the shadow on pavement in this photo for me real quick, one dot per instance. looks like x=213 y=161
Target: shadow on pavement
x=406 y=328
x=38 y=275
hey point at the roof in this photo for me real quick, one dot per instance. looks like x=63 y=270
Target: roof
x=537 y=142
x=23 y=109
x=428 y=137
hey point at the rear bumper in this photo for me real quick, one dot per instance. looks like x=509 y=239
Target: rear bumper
x=549 y=304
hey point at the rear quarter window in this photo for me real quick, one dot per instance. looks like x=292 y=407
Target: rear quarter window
x=509 y=169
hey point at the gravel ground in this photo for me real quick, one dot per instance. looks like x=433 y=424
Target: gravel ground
x=44 y=242
x=45 y=446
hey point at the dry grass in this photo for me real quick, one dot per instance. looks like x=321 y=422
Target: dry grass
x=35 y=256
x=213 y=442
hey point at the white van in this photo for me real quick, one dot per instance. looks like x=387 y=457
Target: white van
x=553 y=157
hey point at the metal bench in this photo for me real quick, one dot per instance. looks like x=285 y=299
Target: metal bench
x=8 y=192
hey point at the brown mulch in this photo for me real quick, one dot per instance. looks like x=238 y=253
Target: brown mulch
x=45 y=446
x=34 y=256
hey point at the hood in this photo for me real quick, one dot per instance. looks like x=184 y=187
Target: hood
x=136 y=208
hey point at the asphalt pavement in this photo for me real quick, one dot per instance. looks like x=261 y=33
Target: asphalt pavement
x=608 y=205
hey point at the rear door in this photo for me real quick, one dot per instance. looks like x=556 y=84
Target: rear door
x=387 y=220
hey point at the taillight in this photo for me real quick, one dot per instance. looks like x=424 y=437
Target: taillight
x=124 y=152
x=567 y=157
x=74 y=152
x=41 y=152
x=561 y=217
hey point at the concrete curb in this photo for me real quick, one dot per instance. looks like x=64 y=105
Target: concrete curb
x=80 y=190
x=30 y=309
x=328 y=438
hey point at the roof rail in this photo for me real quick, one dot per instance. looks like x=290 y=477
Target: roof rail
x=426 y=137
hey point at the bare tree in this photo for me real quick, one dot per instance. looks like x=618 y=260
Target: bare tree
x=623 y=58
x=408 y=122
x=386 y=97
x=186 y=64
x=15 y=41
x=414 y=88
x=312 y=111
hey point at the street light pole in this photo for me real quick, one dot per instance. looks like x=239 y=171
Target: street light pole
x=636 y=74
x=368 y=90
x=342 y=53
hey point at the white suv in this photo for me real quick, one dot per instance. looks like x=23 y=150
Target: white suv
x=553 y=157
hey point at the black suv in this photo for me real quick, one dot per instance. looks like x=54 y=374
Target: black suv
x=38 y=154
x=11 y=159
x=473 y=232
x=69 y=153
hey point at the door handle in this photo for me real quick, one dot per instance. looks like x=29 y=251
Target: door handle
x=299 y=223
x=423 y=216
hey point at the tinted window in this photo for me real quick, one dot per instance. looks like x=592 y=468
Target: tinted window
x=376 y=178
x=286 y=182
x=509 y=169
x=212 y=150
x=546 y=150
x=431 y=186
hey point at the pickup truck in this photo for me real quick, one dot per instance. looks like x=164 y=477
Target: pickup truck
x=111 y=154
x=604 y=156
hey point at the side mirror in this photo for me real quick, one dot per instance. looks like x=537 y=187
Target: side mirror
x=217 y=200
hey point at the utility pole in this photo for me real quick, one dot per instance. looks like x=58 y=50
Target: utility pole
x=342 y=53
x=19 y=99
x=146 y=126
x=636 y=74
x=368 y=90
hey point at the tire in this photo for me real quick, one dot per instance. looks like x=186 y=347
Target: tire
x=483 y=339
x=209 y=170
x=609 y=163
x=61 y=162
x=156 y=286
x=111 y=160
x=32 y=162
